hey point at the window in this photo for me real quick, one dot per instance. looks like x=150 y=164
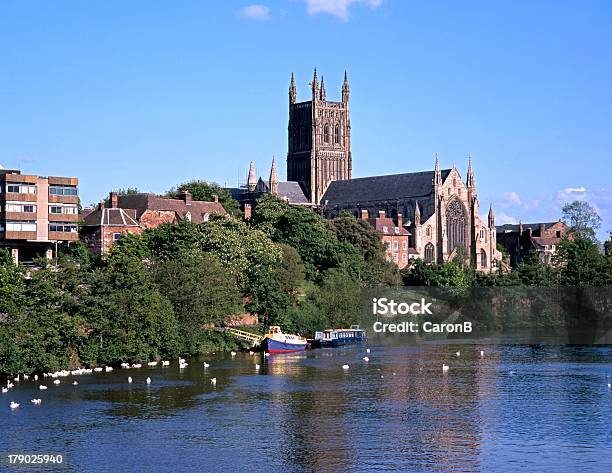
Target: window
x=404 y=258
x=455 y=225
x=116 y=236
x=63 y=190
x=326 y=133
x=14 y=207
x=428 y=231
x=395 y=259
x=20 y=226
x=387 y=245
x=483 y=259
x=395 y=246
x=21 y=188
x=385 y=230
x=336 y=134
x=429 y=253
x=404 y=245
x=483 y=234
x=558 y=233
x=63 y=227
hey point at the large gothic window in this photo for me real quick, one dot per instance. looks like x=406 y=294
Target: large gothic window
x=483 y=259
x=455 y=225
x=336 y=134
x=326 y=133
x=429 y=253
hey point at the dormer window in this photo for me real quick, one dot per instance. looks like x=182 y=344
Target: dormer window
x=385 y=230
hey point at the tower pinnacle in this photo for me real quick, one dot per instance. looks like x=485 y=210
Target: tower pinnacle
x=322 y=95
x=470 y=174
x=345 y=89
x=252 y=179
x=273 y=183
x=292 y=91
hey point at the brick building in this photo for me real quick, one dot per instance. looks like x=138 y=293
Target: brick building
x=37 y=214
x=542 y=238
x=132 y=213
x=394 y=236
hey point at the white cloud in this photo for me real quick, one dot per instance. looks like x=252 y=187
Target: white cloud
x=572 y=193
x=255 y=12
x=502 y=218
x=510 y=199
x=338 y=8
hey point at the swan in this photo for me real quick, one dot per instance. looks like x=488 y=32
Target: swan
x=129 y=379
x=125 y=365
x=481 y=353
x=213 y=381
x=233 y=353
x=257 y=367
x=16 y=378
x=165 y=363
x=14 y=405
x=4 y=390
x=25 y=376
x=458 y=353
x=9 y=385
x=251 y=352
x=345 y=367
x=365 y=358
x=42 y=386
x=152 y=363
x=57 y=381
x=108 y=369
x=97 y=369
x=206 y=365
x=75 y=383
x=148 y=380
x=181 y=360
x=183 y=365
x=444 y=367
x=137 y=365
x=36 y=401
x=367 y=350
x=35 y=377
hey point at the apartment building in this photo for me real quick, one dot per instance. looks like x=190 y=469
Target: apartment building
x=37 y=214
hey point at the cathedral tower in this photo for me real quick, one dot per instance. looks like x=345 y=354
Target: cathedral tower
x=319 y=139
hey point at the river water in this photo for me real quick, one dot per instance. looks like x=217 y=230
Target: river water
x=520 y=407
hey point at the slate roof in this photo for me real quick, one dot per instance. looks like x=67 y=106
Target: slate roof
x=510 y=228
x=381 y=188
x=115 y=217
x=290 y=190
x=293 y=192
x=143 y=202
x=546 y=241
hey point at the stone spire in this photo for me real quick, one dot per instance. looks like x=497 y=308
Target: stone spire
x=437 y=173
x=273 y=183
x=322 y=94
x=252 y=179
x=314 y=85
x=417 y=214
x=491 y=217
x=470 y=175
x=345 y=89
x=292 y=90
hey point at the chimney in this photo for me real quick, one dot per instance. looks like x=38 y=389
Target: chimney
x=186 y=196
x=247 y=211
x=101 y=205
x=215 y=198
x=381 y=214
x=400 y=219
x=529 y=232
x=541 y=230
x=113 y=200
x=364 y=214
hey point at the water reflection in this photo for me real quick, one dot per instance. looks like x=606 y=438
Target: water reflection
x=533 y=407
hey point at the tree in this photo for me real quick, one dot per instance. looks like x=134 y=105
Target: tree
x=205 y=191
x=579 y=263
x=360 y=234
x=291 y=270
x=583 y=219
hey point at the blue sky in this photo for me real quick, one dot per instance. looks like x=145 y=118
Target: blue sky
x=152 y=93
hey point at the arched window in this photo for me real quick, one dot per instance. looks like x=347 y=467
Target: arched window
x=336 y=134
x=455 y=225
x=483 y=259
x=428 y=231
x=429 y=253
x=326 y=133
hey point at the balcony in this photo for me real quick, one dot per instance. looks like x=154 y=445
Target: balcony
x=63 y=217
x=13 y=235
x=19 y=216
x=16 y=197
x=64 y=236
x=63 y=199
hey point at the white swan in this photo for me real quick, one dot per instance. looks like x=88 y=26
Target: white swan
x=108 y=369
x=152 y=363
x=129 y=379
x=25 y=376
x=481 y=353
x=367 y=350
x=75 y=383
x=57 y=381
x=14 y=405
x=125 y=365
x=35 y=377
x=42 y=387
x=251 y=353
x=233 y=353
x=36 y=401
x=257 y=367
x=206 y=365
x=365 y=358
x=458 y=353
x=444 y=367
x=165 y=363
x=9 y=385
x=213 y=381
x=137 y=365
x=345 y=367
x=4 y=390
x=148 y=380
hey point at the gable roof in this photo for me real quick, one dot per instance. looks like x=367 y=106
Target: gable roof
x=143 y=202
x=386 y=223
x=381 y=188
x=115 y=217
x=510 y=227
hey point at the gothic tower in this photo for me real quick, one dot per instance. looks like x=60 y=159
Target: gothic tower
x=319 y=139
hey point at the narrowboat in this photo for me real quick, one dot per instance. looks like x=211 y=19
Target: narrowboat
x=341 y=336
x=275 y=341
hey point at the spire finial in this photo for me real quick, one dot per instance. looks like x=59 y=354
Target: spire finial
x=491 y=216
x=437 y=172
x=345 y=88
x=417 y=214
x=292 y=90
x=273 y=183
x=470 y=173
x=315 y=84
x=322 y=89
x=252 y=179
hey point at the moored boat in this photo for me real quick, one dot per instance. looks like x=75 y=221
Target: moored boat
x=341 y=336
x=275 y=341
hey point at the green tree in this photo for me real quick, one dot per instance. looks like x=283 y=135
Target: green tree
x=205 y=191
x=582 y=218
x=579 y=263
x=291 y=270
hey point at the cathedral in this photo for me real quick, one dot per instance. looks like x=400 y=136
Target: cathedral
x=438 y=209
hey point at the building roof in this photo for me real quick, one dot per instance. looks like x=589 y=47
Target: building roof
x=116 y=217
x=143 y=202
x=291 y=191
x=386 y=223
x=510 y=228
x=546 y=241
x=381 y=188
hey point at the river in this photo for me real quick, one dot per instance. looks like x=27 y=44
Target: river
x=520 y=407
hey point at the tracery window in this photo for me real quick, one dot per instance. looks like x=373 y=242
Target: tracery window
x=429 y=253
x=483 y=259
x=455 y=225
x=336 y=134
x=326 y=133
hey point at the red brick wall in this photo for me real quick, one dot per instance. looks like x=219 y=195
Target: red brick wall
x=155 y=218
